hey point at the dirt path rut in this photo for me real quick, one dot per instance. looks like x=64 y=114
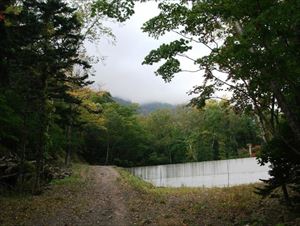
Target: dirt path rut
x=111 y=204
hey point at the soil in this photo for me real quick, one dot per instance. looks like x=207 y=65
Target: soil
x=106 y=205
x=101 y=202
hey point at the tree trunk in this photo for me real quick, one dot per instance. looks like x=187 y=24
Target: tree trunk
x=41 y=146
x=23 y=148
x=40 y=151
x=107 y=150
x=170 y=155
x=286 y=195
x=69 y=148
x=290 y=116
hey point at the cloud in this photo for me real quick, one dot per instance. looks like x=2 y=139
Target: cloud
x=122 y=73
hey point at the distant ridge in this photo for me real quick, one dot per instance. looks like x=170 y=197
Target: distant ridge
x=147 y=107
x=153 y=106
x=122 y=101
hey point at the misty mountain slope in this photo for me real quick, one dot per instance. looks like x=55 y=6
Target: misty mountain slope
x=147 y=107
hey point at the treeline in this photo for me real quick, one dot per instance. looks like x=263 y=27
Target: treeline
x=118 y=134
x=188 y=134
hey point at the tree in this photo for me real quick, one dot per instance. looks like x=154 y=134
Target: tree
x=230 y=31
x=41 y=46
x=125 y=138
x=285 y=172
x=254 y=53
x=189 y=134
x=162 y=130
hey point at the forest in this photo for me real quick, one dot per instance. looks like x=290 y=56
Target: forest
x=50 y=116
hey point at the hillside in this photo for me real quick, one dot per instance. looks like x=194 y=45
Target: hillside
x=147 y=107
x=150 y=107
x=122 y=101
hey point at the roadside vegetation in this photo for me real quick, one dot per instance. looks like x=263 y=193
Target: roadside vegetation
x=24 y=209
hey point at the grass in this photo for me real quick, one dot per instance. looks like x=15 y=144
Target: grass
x=19 y=209
x=135 y=182
x=237 y=205
x=143 y=186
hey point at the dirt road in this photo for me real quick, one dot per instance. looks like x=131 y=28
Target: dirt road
x=100 y=202
x=109 y=198
x=108 y=207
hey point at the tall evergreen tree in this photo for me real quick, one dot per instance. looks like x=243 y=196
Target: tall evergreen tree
x=41 y=46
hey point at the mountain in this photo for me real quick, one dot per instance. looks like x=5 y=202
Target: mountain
x=150 y=107
x=147 y=107
x=122 y=101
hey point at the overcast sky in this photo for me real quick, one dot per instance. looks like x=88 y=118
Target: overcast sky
x=122 y=73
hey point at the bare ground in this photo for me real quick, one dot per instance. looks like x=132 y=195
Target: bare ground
x=97 y=201
x=105 y=204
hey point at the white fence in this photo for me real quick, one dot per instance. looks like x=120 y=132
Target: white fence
x=204 y=174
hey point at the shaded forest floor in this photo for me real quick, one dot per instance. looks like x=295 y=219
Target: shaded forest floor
x=98 y=195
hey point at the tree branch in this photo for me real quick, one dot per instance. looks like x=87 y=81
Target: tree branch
x=191 y=71
x=186 y=56
x=193 y=40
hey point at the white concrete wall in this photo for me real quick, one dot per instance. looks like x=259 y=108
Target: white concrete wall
x=204 y=174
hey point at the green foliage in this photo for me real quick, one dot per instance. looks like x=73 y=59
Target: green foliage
x=109 y=132
x=244 y=39
x=187 y=134
x=125 y=136
x=45 y=114
x=39 y=50
x=135 y=182
x=254 y=52
x=285 y=166
x=120 y=10
x=9 y=121
x=168 y=52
